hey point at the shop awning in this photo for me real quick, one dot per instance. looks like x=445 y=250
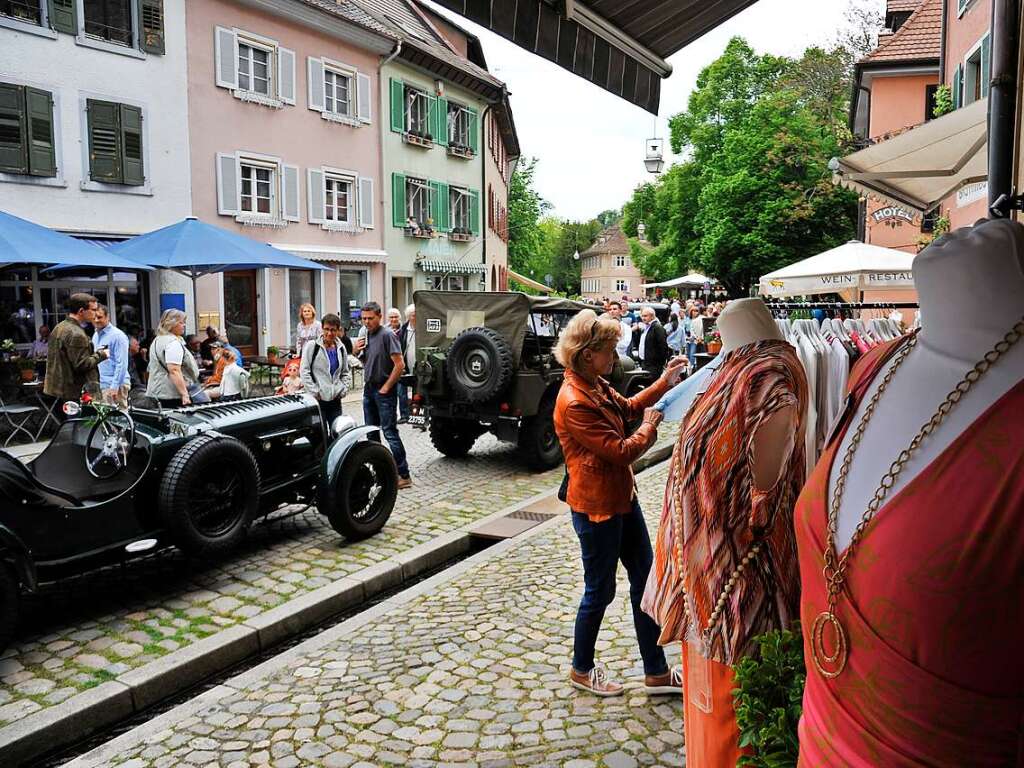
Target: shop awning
x=528 y=282
x=922 y=166
x=442 y=267
x=855 y=265
x=620 y=46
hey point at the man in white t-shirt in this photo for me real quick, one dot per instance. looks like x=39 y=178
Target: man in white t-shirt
x=625 y=331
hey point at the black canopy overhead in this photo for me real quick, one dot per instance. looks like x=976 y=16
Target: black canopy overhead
x=620 y=45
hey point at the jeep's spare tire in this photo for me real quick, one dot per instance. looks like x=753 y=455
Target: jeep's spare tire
x=209 y=494
x=479 y=364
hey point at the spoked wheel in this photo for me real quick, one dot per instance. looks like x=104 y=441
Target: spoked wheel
x=110 y=441
x=209 y=495
x=364 y=492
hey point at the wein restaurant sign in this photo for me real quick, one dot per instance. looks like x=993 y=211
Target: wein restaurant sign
x=834 y=283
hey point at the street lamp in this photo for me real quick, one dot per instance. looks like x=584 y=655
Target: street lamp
x=653 y=152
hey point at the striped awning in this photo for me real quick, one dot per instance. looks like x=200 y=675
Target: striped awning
x=442 y=267
x=619 y=46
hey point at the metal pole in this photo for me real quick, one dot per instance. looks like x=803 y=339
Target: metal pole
x=1002 y=105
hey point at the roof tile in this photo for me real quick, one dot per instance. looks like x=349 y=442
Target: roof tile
x=920 y=37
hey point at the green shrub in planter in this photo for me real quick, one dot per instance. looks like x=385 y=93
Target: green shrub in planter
x=769 y=700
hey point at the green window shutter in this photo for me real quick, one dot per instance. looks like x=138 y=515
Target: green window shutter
x=63 y=17
x=42 y=157
x=104 y=141
x=397 y=106
x=443 y=220
x=13 y=133
x=131 y=145
x=474 y=212
x=433 y=114
x=986 y=64
x=151 y=14
x=958 y=76
x=437 y=205
x=474 y=131
x=398 y=214
x=441 y=128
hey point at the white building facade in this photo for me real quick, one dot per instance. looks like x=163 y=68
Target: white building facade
x=93 y=142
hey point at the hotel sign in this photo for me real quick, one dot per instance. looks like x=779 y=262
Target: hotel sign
x=892 y=215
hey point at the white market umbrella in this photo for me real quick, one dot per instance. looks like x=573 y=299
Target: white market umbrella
x=694 y=279
x=854 y=265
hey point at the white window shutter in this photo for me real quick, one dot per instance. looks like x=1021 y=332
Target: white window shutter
x=315 y=69
x=291 y=192
x=364 y=101
x=286 y=75
x=226 y=55
x=315 y=197
x=367 y=204
x=227 y=184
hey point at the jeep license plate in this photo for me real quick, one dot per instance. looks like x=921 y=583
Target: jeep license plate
x=418 y=421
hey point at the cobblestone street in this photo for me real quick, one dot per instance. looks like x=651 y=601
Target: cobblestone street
x=466 y=669
x=80 y=633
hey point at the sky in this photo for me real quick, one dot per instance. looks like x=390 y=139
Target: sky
x=589 y=143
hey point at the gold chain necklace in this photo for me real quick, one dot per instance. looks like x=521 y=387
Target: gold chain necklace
x=831 y=664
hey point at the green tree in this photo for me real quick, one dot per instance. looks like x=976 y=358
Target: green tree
x=609 y=217
x=525 y=209
x=642 y=207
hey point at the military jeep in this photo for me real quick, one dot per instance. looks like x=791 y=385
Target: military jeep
x=485 y=363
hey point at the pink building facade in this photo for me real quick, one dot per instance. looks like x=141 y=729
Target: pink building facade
x=285 y=148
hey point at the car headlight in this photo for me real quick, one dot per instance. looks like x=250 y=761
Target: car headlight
x=342 y=424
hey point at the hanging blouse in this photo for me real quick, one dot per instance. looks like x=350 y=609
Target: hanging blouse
x=714 y=514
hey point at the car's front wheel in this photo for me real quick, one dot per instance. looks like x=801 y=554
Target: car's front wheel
x=10 y=604
x=538 y=443
x=365 y=491
x=209 y=494
x=452 y=437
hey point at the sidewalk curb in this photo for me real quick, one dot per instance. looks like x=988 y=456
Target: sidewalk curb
x=109 y=703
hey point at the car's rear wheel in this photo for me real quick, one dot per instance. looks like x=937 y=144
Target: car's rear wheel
x=209 y=494
x=479 y=364
x=365 y=491
x=538 y=443
x=453 y=437
x=10 y=604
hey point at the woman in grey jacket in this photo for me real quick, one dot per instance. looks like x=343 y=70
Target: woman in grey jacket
x=324 y=368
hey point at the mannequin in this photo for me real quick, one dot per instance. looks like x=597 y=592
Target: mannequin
x=743 y=322
x=725 y=566
x=912 y=629
x=971 y=289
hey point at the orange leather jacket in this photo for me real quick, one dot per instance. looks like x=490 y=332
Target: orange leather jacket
x=590 y=420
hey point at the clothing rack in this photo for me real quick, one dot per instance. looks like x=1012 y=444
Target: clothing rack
x=842 y=304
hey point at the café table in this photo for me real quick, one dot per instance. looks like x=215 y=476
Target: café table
x=35 y=389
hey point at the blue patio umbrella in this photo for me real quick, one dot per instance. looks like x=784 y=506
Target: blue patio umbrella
x=22 y=242
x=195 y=248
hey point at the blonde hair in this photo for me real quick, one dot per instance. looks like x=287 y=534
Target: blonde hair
x=304 y=307
x=585 y=331
x=169 y=319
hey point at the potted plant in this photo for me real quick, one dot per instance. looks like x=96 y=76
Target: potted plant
x=429 y=137
x=27 y=367
x=713 y=341
x=272 y=353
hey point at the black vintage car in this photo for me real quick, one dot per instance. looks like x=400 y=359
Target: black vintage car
x=113 y=485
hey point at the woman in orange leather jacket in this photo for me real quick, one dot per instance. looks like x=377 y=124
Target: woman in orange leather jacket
x=590 y=420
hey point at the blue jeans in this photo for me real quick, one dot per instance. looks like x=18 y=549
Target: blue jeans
x=382 y=411
x=691 y=353
x=602 y=545
x=404 y=393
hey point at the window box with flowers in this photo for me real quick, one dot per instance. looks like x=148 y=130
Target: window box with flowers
x=424 y=231
x=461 y=150
x=419 y=139
x=713 y=341
x=460 y=235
